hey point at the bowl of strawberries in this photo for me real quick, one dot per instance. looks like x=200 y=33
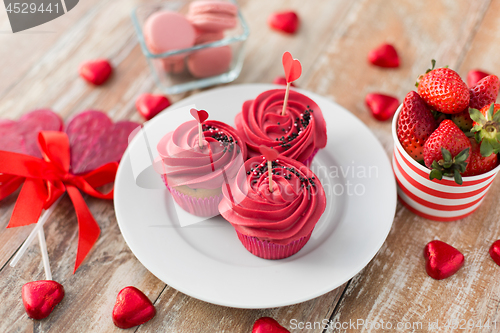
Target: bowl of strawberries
x=446 y=144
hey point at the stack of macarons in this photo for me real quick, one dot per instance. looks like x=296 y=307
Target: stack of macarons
x=205 y=22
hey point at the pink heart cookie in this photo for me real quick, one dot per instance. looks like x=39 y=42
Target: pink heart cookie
x=95 y=140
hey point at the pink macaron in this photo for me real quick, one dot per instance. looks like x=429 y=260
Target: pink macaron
x=207 y=36
x=213 y=15
x=166 y=31
x=210 y=61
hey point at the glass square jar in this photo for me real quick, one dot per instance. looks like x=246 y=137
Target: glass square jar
x=171 y=78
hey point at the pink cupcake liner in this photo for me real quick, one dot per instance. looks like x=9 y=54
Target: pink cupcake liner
x=203 y=207
x=269 y=250
x=309 y=160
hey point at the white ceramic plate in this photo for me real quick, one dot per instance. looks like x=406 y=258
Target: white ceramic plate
x=207 y=261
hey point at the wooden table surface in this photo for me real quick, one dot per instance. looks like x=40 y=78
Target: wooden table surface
x=39 y=69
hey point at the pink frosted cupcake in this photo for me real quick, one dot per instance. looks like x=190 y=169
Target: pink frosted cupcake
x=273 y=225
x=194 y=175
x=299 y=134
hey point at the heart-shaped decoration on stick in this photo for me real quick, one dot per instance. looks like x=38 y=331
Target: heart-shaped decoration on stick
x=200 y=116
x=442 y=260
x=293 y=70
x=132 y=308
x=271 y=155
x=268 y=325
x=41 y=297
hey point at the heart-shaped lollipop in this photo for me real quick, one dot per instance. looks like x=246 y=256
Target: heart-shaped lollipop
x=41 y=297
x=292 y=67
x=495 y=252
x=132 y=308
x=442 y=260
x=150 y=105
x=268 y=325
x=96 y=71
x=199 y=115
x=269 y=153
x=95 y=140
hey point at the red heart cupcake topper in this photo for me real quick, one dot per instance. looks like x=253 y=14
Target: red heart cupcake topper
x=199 y=115
x=269 y=153
x=292 y=67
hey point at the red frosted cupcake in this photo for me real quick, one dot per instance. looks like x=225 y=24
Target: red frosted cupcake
x=193 y=174
x=277 y=224
x=299 y=134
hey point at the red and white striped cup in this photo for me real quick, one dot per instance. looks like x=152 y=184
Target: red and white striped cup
x=438 y=200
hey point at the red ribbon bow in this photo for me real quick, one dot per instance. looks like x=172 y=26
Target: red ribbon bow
x=45 y=180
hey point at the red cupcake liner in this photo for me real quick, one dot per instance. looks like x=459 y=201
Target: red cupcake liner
x=309 y=160
x=203 y=207
x=269 y=250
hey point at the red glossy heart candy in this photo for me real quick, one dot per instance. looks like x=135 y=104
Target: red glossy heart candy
x=384 y=56
x=268 y=325
x=474 y=76
x=132 y=308
x=442 y=260
x=199 y=115
x=287 y=21
x=281 y=80
x=150 y=105
x=269 y=153
x=41 y=297
x=96 y=71
x=381 y=106
x=495 y=252
x=292 y=67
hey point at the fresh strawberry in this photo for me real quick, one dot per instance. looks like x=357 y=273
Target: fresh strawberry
x=415 y=124
x=486 y=127
x=474 y=76
x=462 y=120
x=446 y=152
x=443 y=90
x=439 y=116
x=479 y=164
x=484 y=92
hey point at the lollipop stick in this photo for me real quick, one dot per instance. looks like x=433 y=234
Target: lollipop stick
x=34 y=232
x=270 y=173
x=45 y=254
x=200 y=136
x=286 y=98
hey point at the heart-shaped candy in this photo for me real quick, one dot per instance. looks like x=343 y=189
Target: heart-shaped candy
x=22 y=136
x=474 y=76
x=284 y=21
x=150 y=105
x=282 y=80
x=292 y=67
x=132 y=308
x=269 y=153
x=381 y=106
x=442 y=260
x=268 y=325
x=41 y=297
x=495 y=252
x=199 y=115
x=96 y=71
x=384 y=56
x=95 y=140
